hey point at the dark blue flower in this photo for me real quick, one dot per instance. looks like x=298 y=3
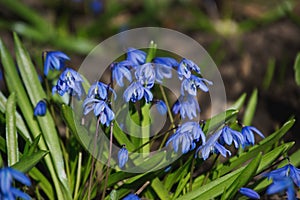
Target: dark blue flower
x=288 y=170
x=71 y=82
x=212 y=146
x=136 y=92
x=228 y=136
x=101 y=110
x=161 y=107
x=7 y=191
x=191 y=84
x=54 y=60
x=136 y=57
x=282 y=184
x=249 y=193
x=187 y=106
x=122 y=156
x=121 y=70
x=100 y=90
x=186 y=67
x=40 y=108
x=186 y=137
x=248 y=133
x=131 y=197
x=145 y=74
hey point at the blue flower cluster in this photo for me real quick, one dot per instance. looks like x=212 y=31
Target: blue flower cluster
x=7 y=191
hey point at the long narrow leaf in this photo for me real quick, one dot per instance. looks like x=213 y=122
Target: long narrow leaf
x=250 y=109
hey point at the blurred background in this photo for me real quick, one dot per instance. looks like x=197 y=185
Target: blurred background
x=254 y=43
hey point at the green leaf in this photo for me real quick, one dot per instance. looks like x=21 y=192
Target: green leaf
x=245 y=176
x=36 y=93
x=11 y=131
x=297 y=69
x=250 y=109
x=160 y=189
x=113 y=195
x=28 y=162
x=239 y=103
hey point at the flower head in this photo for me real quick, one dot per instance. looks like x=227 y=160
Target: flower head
x=100 y=90
x=40 y=108
x=228 y=136
x=136 y=57
x=121 y=70
x=282 y=184
x=163 y=67
x=7 y=191
x=186 y=106
x=288 y=170
x=191 y=84
x=161 y=107
x=186 y=67
x=248 y=133
x=71 y=82
x=136 y=92
x=145 y=74
x=249 y=193
x=122 y=156
x=54 y=60
x=186 y=137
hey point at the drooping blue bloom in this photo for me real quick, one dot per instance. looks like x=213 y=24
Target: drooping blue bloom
x=121 y=70
x=100 y=90
x=212 y=146
x=136 y=92
x=101 y=110
x=161 y=107
x=228 y=136
x=71 y=82
x=131 y=197
x=40 y=108
x=186 y=67
x=186 y=137
x=288 y=170
x=136 y=57
x=191 y=85
x=249 y=193
x=122 y=156
x=283 y=184
x=145 y=74
x=54 y=60
x=248 y=133
x=186 y=106
x=167 y=61
x=7 y=191
x=163 y=67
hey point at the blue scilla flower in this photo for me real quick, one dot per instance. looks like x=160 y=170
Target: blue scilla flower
x=131 y=197
x=161 y=107
x=212 y=146
x=191 y=85
x=248 y=133
x=54 y=60
x=101 y=110
x=186 y=106
x=7 y=191
x=249 y=193
x=229 y=136
x=40 y=108
x=100 y=90
x=163 y=67
x=71 y=82
x=283 y=184
x=136 y=57
x=288 y=170
x=121 y=70
x=186 y=137
x=186 y=67
x=122 y=156
x=136 y=91
x=145 y=74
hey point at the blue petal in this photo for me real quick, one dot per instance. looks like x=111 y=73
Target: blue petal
x=131 y=197
x=161 y=107
x=19 y=176
x=20 y=194
x=294 y=174
x=137 y=57
x=40 y=108
x=280 y=185
x=122 y=157
x=249 y=193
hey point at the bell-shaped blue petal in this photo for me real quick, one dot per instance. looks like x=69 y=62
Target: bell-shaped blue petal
x=136 y=92
x=186 y=67
x=191 y=85
x=136 y=57
x=248 y=134
x=163 y=67
x=54 y=60
x=131 y=197
x=161 y=107
x=187 y=106
x=145 y=74
x=122 y=157
x=40 y=108
x=100 y=90
x=282 y=184
x=120 y=71
x=249 y=193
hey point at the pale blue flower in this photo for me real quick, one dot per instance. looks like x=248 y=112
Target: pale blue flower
x=136 y=92
x=40 y=108
x=71 y=82
x=186 y=67
x=249 y=193
x=186 y=137
x=136 y=57
x=100 y=90
x=7 y=190
x=228 y=136
x=54 y=60
x=145 y=74
x=186 y=106
x=163 y=67
x=248 y=133
x=161 y=107
x=120 y=71
x=283 y=184
x=122 y=156
x=191 y=85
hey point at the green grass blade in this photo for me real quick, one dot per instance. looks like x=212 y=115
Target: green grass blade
x=36 y=93
x=28 y=162
x=250 y=109
x=160 y=189
x=297 y=69
x=11 y=131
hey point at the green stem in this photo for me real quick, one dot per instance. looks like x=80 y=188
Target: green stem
x=78 y=176
x=145 y=128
